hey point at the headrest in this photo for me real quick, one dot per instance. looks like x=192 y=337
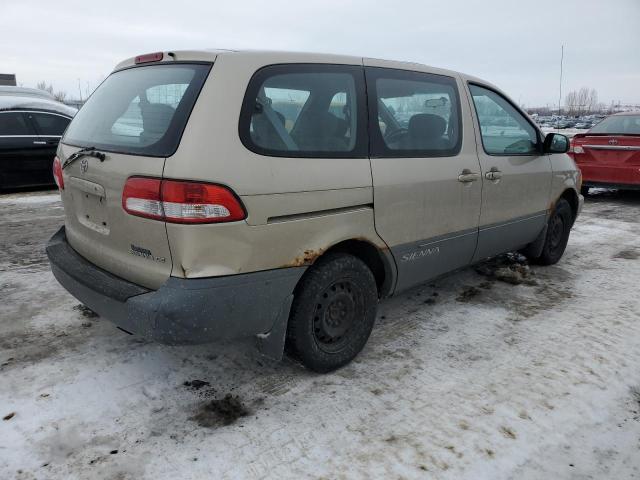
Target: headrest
x=427 y=125
x=156 y=117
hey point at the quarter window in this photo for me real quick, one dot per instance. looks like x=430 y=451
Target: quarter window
x=13 y=123
x=413 y=114
x=287 y=103
x=504 y=130
x=48 y=124
x=305 y=111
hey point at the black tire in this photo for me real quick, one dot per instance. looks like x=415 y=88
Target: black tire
x=558 y=229
x=584 y=191
x=333 y=313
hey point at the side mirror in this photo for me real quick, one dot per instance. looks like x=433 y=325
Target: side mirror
x=555 y=143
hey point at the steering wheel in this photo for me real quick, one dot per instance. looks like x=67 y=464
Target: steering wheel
x=521 y=146
x=396 y=135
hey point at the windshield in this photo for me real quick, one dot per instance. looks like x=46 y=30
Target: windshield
x=619 y=124
x=140 y=110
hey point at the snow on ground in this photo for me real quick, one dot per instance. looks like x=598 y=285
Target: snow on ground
x=37 y=197
x=498 y=381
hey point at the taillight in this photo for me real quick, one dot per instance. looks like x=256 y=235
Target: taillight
x=573 y=148
x=192 y=202
x=141 y=197
x=57 y=173
x=176 y=201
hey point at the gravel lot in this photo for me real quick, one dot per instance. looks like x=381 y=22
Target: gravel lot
x=467 y=378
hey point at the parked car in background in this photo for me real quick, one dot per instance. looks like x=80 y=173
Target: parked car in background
x=31 y=125
x=8 y=91
x=217 y=195
x=609 y=153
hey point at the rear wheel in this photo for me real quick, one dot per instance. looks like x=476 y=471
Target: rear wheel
x=557 y=237
x=333 y=313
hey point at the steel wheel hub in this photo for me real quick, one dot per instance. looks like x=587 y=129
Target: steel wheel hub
x=335 y=313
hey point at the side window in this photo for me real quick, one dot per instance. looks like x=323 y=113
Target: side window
x=305 y=110
x=416 y=114
x=14 y=123
x=49 y=124
x=504 y=130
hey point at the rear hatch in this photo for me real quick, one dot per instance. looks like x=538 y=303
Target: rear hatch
x=605 y=149
x=610 y=151
x=136 y=118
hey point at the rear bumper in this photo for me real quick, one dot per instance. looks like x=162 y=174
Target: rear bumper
x=610 y=176
x=181 y=311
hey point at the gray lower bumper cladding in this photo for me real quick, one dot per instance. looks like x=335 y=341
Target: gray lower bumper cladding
x=183 y=311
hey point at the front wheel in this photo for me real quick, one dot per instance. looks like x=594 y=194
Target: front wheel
x=333 y=313
x=558 y=230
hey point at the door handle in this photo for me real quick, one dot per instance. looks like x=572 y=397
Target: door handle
x=467 y=176
x=493 y=174
x=39 y=142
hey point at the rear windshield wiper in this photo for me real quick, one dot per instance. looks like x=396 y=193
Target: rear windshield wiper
x=83 y=152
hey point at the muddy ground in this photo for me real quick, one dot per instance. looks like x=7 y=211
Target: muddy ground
x=525 y=373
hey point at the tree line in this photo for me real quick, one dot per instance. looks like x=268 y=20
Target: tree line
x=578 y=102
x=582 y=102
x=60 y=95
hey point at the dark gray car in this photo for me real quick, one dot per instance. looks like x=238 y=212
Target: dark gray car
x=31 y=126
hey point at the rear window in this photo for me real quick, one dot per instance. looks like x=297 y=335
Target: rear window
x=620 y=124
x=141 y=110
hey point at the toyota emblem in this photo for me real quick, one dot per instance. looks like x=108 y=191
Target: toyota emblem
x=84 y=165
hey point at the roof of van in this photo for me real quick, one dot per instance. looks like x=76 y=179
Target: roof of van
x=277 y=56
x=281 y=56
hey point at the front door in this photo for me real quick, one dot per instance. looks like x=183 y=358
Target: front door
x=516 y=176
x=426 y=175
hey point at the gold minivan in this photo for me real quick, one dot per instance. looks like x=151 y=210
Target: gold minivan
x=223 y=194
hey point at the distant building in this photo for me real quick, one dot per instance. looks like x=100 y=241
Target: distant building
x=8 y=79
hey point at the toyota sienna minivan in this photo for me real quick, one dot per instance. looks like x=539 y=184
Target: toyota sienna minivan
x=216 y=195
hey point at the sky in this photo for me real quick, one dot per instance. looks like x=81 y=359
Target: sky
x=513 y=44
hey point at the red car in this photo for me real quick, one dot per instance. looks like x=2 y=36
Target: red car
x=609 y=154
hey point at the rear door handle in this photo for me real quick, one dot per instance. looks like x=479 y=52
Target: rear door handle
x=468 y=176
x=493 y=174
